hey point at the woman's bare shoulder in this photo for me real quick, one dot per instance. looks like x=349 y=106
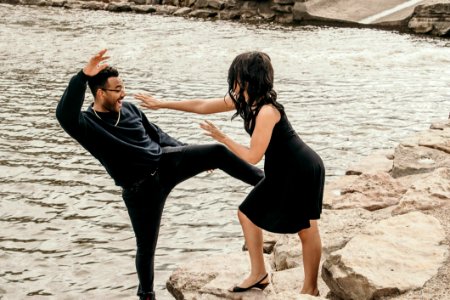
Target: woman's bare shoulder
x=270 y=112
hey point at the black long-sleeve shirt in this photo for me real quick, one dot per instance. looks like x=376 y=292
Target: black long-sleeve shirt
x=128 y=151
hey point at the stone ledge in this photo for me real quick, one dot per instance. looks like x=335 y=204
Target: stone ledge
x=431 y=19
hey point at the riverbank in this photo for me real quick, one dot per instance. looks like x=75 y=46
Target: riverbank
x=413 y=16
x=375 y=232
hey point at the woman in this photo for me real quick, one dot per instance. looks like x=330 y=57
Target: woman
x=289 y=198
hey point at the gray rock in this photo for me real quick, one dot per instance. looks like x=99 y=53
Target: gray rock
x=216 y=4
x=428 y=192
x=73 y=4
x=440 y=125
x=334 y=188
x=415 y=159
x=336 y=227
x=203 y=13
x=229 y=15
x=30 y=2
x=201 y=3
x=269 y=16
x=170 y=2
x=143 y=9
x=211 y=277
x=284 y=18
x=182 y=11
x=439 y=140
x=118 y=7
x=166 y=9
x=10 y=1
x=282 y=8
x=284 y=2
x=249 y=6
x=288 y=283
x=380 y=161
x=300 y=12
x=58 y=3
x=93 y=5
x=370 y=191
x=434 y=19
x=380 y=261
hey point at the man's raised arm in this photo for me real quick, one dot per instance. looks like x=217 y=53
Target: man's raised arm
x=69 y=107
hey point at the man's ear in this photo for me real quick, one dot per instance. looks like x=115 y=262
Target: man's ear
x=99 y=94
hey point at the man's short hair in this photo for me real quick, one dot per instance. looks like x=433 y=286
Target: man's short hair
x=99 y=81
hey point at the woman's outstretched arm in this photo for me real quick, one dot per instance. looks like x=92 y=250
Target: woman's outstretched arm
x=199 y=106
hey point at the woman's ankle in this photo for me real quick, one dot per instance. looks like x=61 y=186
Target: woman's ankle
x=310 y=291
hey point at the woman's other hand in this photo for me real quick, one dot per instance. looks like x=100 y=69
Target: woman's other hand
x=213 y=131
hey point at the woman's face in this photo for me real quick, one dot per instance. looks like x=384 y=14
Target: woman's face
x=237 y=89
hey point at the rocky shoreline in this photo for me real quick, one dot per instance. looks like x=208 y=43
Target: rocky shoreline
x=385 y=232
x=431 y=17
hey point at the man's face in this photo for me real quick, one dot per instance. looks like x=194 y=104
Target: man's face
x=111 y=94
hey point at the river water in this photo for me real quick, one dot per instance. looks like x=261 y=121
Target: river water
x=65 y=233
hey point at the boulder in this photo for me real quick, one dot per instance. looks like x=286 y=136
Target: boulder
x=434 y=19
x=166 y=9
x=379 y=161
x=288 y=283
x=300 y=12
x=211 y=277
x=229 y=15
x=118 y=7
x=333 y=188
x=93 y=5
x=429 y=192
x=336 y=228
x=439 y=140
x=182 y=11
x=203 y=13
x=382 y=259
x=143 y=9
x=415 y=159
x=370 y=191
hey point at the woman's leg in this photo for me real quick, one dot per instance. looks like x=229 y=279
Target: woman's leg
x=312 y=250
x=254 y=241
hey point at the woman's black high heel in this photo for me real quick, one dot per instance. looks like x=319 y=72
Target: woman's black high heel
x=258 y=285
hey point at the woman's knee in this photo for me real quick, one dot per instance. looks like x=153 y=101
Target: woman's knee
x=243 y=219
x=309 y=233
x=240 y=216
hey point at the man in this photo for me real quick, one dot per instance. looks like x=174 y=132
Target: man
x=141 y=158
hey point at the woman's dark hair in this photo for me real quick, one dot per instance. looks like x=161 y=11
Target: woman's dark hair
x=99 y=81
x=253 y=72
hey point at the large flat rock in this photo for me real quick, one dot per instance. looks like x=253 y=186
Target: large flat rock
x=388 y=258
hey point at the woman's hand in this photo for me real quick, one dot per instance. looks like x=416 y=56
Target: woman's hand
x=148 y=101
x=213 y=131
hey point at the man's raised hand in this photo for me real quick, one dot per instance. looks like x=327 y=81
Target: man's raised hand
x=94 y=66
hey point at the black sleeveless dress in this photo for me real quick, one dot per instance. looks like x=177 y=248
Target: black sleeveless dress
x=292 y=190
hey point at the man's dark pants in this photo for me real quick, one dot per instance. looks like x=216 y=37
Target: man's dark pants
x=145 y=199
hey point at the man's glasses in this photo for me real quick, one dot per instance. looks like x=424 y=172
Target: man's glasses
x=111 y=90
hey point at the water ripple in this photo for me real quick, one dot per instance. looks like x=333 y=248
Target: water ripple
x=65 y=230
